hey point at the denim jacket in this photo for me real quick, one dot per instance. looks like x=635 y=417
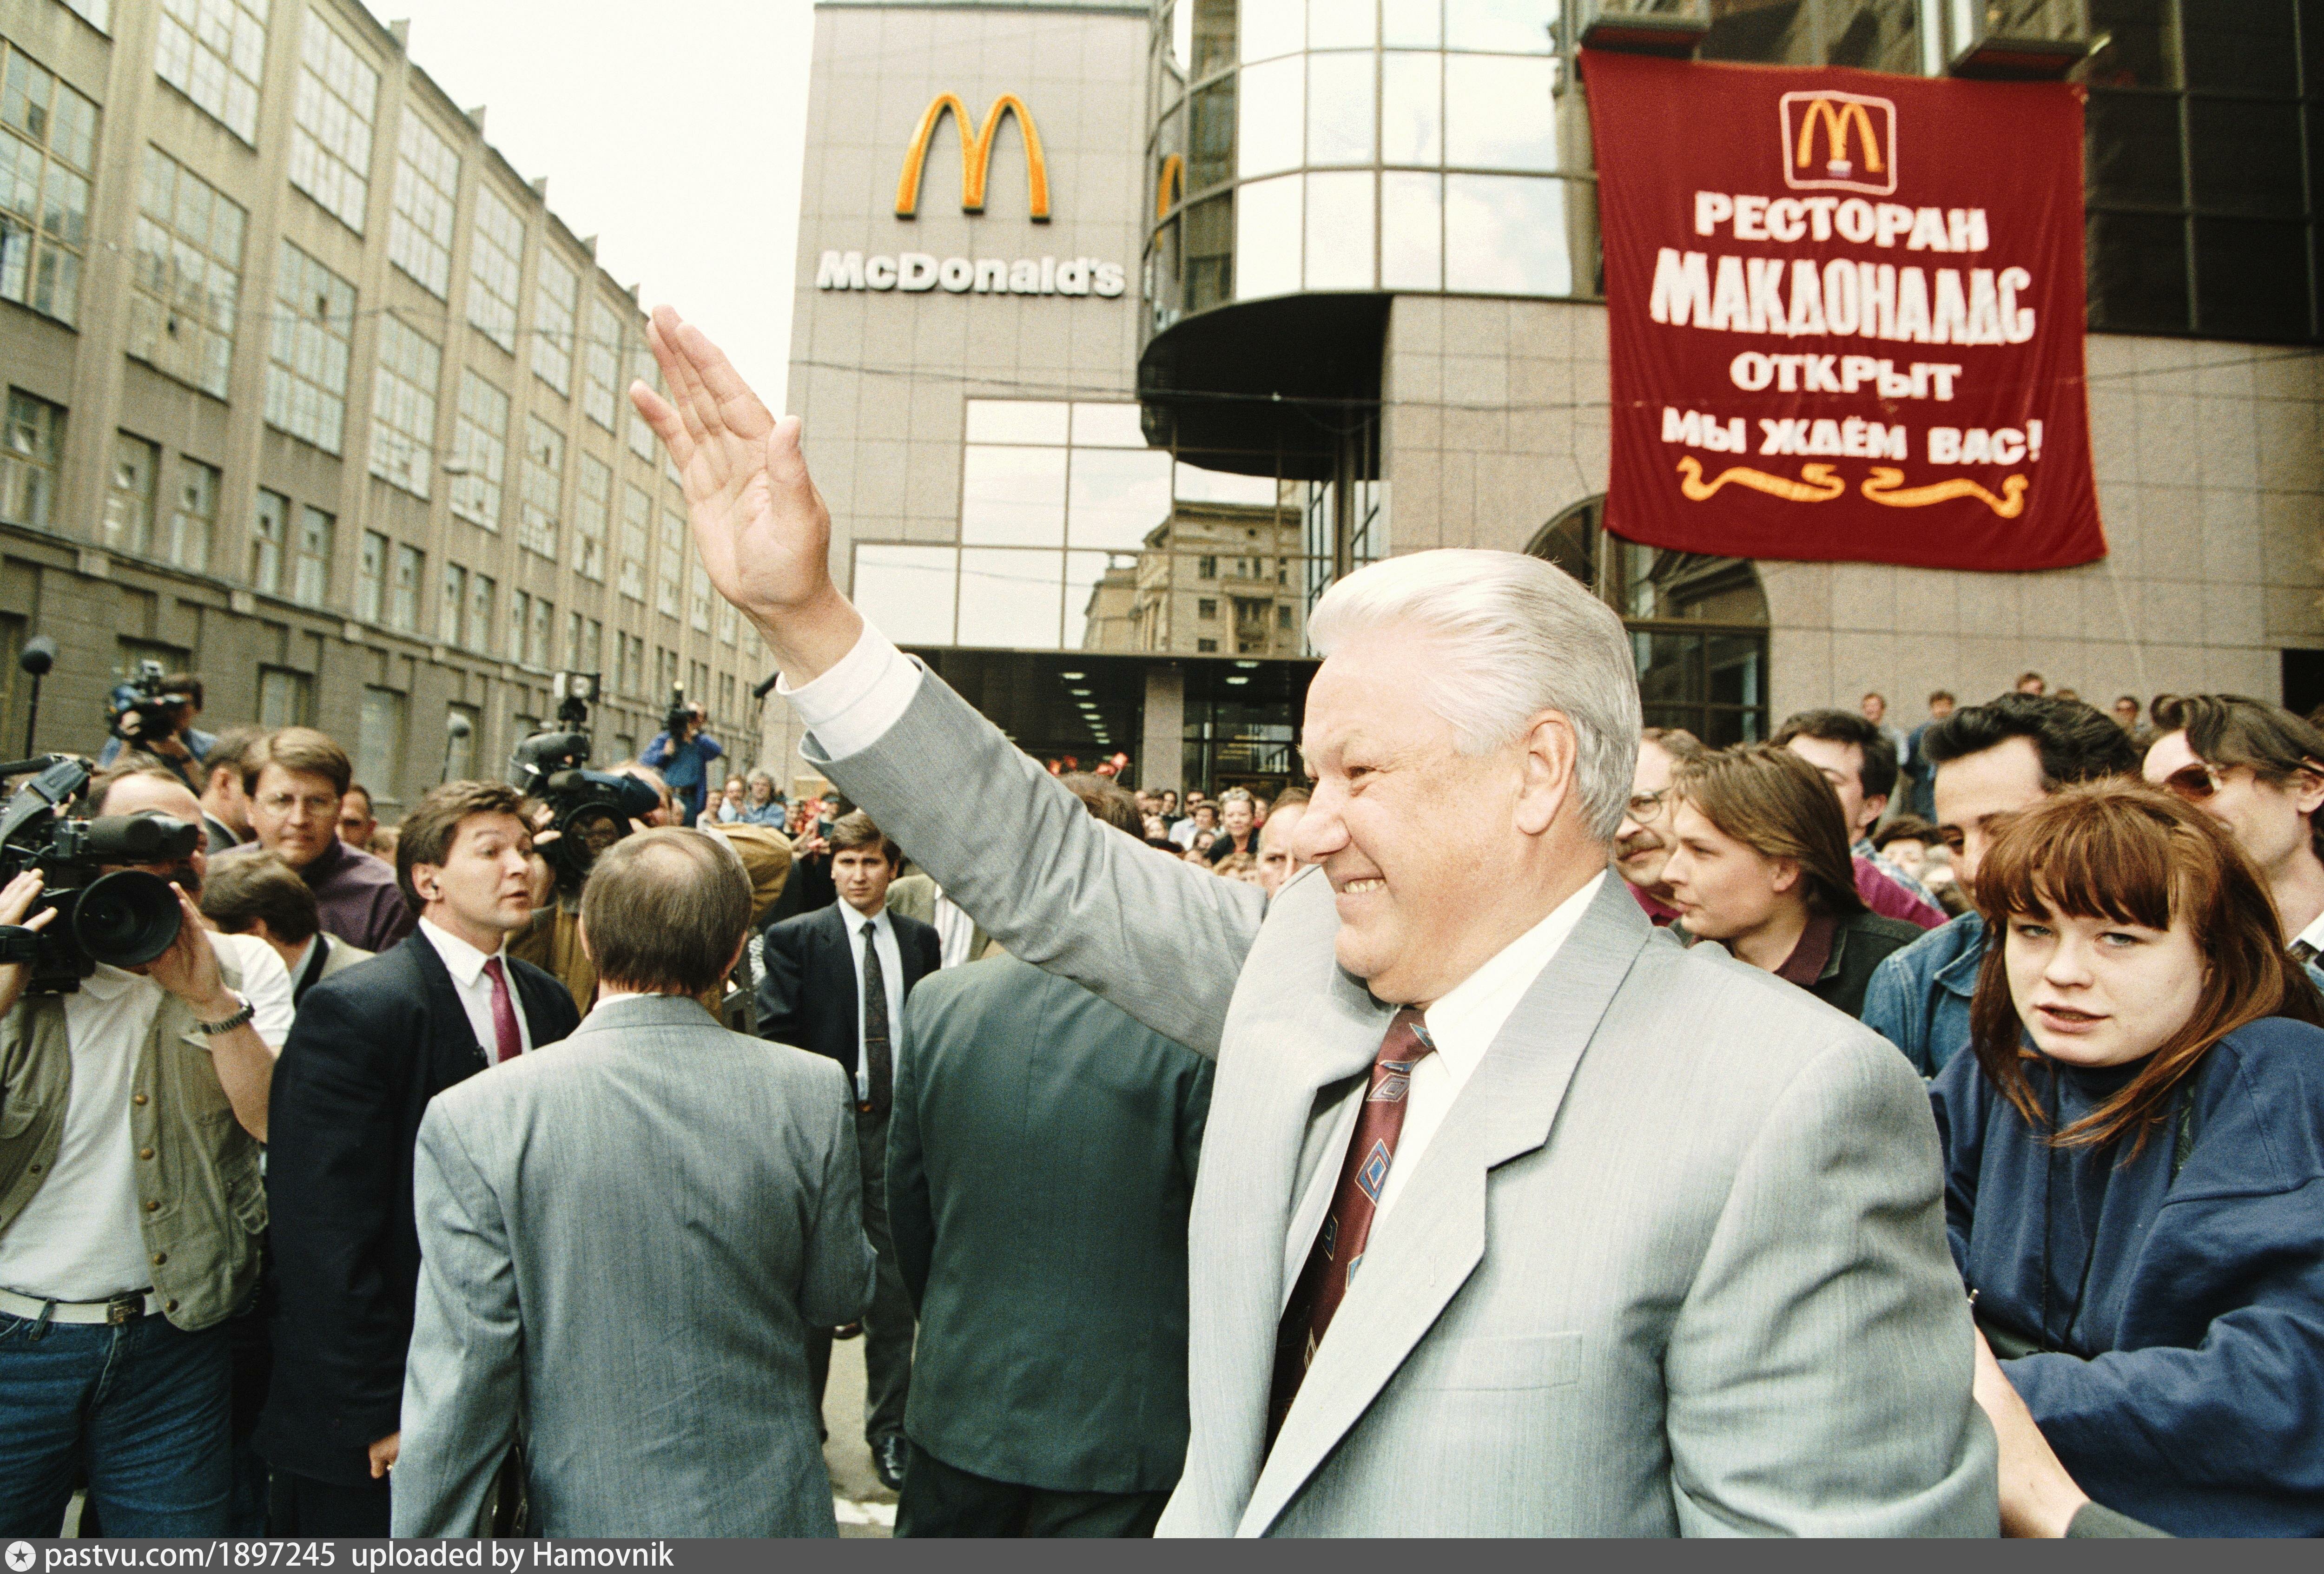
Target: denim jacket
x=1918 y=999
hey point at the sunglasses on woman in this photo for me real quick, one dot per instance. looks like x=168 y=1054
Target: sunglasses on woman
x=2193 y=782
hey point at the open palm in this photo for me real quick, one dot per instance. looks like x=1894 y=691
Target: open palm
x=761 y=526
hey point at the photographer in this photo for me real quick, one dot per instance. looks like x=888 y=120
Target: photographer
x=130 y=1210
x=682 y=753
x=167 y=731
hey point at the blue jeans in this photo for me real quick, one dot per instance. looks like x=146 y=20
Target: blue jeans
x=146 y=1405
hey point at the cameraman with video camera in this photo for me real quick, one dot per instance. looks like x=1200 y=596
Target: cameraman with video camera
x=131 y=1202
x=682 y=752
x=154 y=713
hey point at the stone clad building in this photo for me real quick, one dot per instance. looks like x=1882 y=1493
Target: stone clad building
x=308 y=390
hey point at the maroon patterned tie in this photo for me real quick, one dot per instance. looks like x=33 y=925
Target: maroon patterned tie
x=1339 y=1249
x=508 y=1040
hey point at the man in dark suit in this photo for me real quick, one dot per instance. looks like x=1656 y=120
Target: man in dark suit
x=835 y=983
x=1040 y=1168
x=371 y=1047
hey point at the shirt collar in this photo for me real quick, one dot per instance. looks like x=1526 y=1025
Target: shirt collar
x=463 y=961
x=110 y=983
x=1959 y=974
x=2313 y=934
x=854 y=920
x=1466 y=1020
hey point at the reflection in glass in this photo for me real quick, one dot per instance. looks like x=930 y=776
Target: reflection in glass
x=1164 y=280
x=1107 y=426
x=1211 y=134
x=1013 y=497
x=1412 y=230
x=1505 y=235
x=1016 y=420
x=1341 y=25
x=1412 y=109
x=1213 y=34
x=1011 y=599
x=2240 y=156
x=1340 y=108
x=1873 y=35
x=1194 y=484
x=1273 y=100
x=2251 y=278
x=1272 y=28
x=1181 y=30
x=1340 y=230
x=1511 y=26
x=1119 y=496
x=1266 y=238
x=1101 y=600
x=1210 y=252
x=1498 y=112
x=1412 y=24
x=907 y=592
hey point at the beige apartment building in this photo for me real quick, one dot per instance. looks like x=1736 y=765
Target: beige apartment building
x=309 y=392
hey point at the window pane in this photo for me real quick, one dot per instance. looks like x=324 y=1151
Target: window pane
x=2133 y=142
x=1341 y=24
x=1874 y=35
x=1108 y=426
x=1013 y=599
x=2251 y=279
x=2246 y=46
x=1412 y=231
x=1266 y=238
x=1514 y=26
x=1194 y=484
x=1210 y=252
x=1272 y=27
x=1416 y=24
x=2244 y=155
x=1015 y=420
x=1499 y=114
x=1211 y=34
x=2144 y=47
x=1211 y=134
x=1272 y=116
x=1506 y=236
x=1340 y=108
x=1118 y=495
x=1412 y=109
x=1340 y=230
x=1013 y=497
x=1101 y=600
x=2138 y=271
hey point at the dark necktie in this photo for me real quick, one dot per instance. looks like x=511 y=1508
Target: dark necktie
x=879 y=1061
x=1339 y=1249
x=508 y=1041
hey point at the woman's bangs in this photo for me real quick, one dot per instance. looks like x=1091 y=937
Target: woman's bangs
x=2109 y=861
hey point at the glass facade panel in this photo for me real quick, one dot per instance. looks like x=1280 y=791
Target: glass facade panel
x=1273 y=114
x=2138 y=271
x=1266 y=238
x=1013 y=496
x=1412 y=109
x=1499 y=114
x=1340 y=230
x=907 y=591
x=1014 y=600
x=1412 y=230
x=1412 y=24
x=1210 y=254
x=2243 y=46
x=1274 y=27
x=1118 y=496
x=1511 y=26
x=1341 y=24
x=1506 y=236
x=1107 y=426
x=1211 y=134
x=2236 y=149
x=1340 y=94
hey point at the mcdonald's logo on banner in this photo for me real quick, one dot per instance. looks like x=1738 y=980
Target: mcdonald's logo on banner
x=976 y=156
x=1839 y=141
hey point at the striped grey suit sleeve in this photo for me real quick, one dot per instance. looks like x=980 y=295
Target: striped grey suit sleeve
x=1159 y=938
x=837 y=1263
x=464 y=1379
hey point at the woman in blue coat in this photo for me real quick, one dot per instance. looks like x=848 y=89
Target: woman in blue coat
x=2134 y=1165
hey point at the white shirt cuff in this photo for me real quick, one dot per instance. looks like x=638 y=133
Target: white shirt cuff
x=852 y=706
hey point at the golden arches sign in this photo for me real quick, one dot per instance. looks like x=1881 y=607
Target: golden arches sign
x=976 y=156
x=1172 y=183
x=1837 y=118
x=1860 y=142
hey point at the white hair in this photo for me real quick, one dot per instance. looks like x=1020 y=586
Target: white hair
x=1517 y=636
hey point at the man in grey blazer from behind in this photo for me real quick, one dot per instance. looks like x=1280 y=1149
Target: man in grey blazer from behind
x=625 y=1241
x=1651 y=1243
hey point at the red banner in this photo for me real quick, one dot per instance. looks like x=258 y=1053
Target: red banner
x=1846 y=314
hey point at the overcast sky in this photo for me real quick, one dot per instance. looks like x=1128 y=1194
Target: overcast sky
x=673 y=134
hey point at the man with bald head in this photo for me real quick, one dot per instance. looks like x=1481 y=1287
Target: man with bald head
x=1426 y=1046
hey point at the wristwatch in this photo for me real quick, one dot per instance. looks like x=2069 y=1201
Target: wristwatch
x=212 y=1029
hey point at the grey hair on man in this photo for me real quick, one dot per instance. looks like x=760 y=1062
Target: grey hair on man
x=1518 y=636
x=666 y=911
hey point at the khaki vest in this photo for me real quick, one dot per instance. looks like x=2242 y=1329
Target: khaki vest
x=200 y=1198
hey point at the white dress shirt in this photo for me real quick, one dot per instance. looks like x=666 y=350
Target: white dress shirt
x=2313 y=934
x=80 y=1238
x=466 y=964
x=955 y=930
x=892 y=976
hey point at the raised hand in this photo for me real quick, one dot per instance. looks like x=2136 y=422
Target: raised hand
x=761 y=528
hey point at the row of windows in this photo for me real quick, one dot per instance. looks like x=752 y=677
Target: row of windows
x=48 y=148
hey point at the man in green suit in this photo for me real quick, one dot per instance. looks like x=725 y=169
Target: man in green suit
x=1040 y=1167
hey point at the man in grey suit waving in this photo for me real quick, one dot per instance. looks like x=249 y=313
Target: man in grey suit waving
x=627 y=1240
x=1649 y=1243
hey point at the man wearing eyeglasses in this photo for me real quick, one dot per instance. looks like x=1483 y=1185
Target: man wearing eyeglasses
x=1642 y=844
x=2258 y=769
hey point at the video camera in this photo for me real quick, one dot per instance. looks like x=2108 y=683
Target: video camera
x=680 y=715
x=146 y=697
x=590 y=810
x=126 y=918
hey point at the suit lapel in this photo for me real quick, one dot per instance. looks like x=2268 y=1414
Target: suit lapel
x=840 y=958
x=456 y=1055
x=1425 y=1248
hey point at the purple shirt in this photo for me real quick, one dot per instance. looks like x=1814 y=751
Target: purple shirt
x=1891 y=900
x=356 y=897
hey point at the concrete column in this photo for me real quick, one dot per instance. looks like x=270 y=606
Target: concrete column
x=1161 y=735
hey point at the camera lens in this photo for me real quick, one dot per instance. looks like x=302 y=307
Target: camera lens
x=125 y=918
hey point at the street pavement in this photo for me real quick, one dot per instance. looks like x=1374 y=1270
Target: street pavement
x=863 y=1506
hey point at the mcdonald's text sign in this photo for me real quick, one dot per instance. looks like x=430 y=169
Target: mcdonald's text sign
x=1844 y=314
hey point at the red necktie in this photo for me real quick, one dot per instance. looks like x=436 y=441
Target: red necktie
x=508 y=1042
x=1339 y=1249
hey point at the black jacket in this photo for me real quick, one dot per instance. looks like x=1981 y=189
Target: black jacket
x=809 y=995
x=370 y=1047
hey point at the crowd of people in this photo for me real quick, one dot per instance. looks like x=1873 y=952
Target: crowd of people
x=1856 y=1132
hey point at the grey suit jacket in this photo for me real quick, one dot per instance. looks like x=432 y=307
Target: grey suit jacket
x=626 y=1238
x=1675 y=1262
